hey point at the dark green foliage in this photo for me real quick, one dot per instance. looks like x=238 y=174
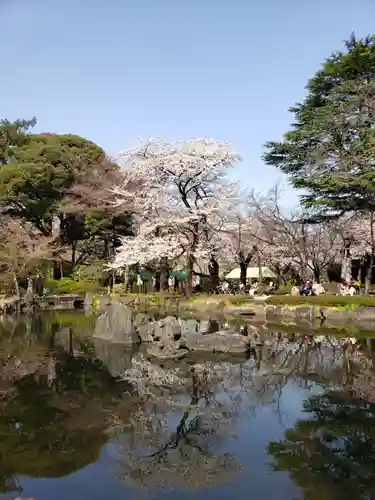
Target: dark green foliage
x=330 y=149
x=330 y=452
x=43 y=170
x=12 y=136
x=46 y=178
x=73 y=286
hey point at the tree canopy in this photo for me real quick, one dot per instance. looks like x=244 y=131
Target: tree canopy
x=329 y=151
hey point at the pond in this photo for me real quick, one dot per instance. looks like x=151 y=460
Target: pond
x=82 y=418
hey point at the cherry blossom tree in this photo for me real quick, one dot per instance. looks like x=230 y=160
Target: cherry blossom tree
x=360 y=236
x=238 y=241
x=183 y=190
x=294 y=239
x=22 y=250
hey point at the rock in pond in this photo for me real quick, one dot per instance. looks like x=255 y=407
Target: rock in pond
x=117 y=357
x=145 y=327
x=224 y=342
x=116 y=325
x=166 y=337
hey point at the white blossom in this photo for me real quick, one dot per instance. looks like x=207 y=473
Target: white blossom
x=182 y=192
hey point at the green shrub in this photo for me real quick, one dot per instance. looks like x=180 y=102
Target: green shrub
x=95 y=271
x=325 y=300
x=69 y=285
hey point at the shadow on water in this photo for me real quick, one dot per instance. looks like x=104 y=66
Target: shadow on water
x=85 y=418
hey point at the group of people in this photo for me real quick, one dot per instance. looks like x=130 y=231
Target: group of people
x=309 y=287
x=348 y=288
x=35 y=285
x=234 y=288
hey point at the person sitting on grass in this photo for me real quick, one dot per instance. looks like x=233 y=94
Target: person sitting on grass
x=318 y=289
x=345 y=289
x=306 y=289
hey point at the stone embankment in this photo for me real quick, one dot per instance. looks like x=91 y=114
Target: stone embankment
x=361 y=317
x=68 y=302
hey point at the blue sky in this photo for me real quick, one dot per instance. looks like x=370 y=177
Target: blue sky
x=115 y=70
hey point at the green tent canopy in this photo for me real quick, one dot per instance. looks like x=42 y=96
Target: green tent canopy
x=146 y=275
x=179 y=275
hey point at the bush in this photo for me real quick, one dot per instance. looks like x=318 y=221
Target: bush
x=325 y=300
x=69 y=285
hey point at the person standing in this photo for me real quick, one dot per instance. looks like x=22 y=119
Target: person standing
x=39 y=285
x=29 y=285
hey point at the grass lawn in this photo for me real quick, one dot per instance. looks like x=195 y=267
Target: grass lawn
x=325 y=300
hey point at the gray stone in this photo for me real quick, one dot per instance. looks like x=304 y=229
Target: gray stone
x=335 y=315
x=145 y=327
x=146 y=332
x=204 y=326
x=104 y=303
x=115 y=356
x=167 y=330
x=116 y=325
x=88 y=300
x=167 y=339
x=303 y=312
x=365 y=314
x=63 y=338
x=220 y=342
x=270 y=311
x=188 y=327
x=160 y=351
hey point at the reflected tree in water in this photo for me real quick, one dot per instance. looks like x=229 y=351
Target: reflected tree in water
x=53 y=422
x=177 y=436
x=331 y=453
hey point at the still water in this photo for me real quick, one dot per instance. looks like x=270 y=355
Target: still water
x=82 y=419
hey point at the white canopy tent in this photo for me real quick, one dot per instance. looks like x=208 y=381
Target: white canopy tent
x=252 y=273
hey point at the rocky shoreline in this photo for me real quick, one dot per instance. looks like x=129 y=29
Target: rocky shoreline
x=169 y=338
x=361 y=317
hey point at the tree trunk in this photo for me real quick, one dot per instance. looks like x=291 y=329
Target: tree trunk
x=317 y=273
x=371 y=264
x=74 y=248
x=164 y=268
x=190 y=276
x=369 y=274
x=191 y=258
x=214 y=273
x=243 y=272
x=244 y=263
x=346 y=268
x=259 y=264
x=16 y=285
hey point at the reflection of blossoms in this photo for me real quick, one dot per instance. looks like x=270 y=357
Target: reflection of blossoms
x=174 y=439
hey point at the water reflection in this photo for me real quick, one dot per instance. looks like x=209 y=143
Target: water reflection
x=330 y=454
x=301 y=407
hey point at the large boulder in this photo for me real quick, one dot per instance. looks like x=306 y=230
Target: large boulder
x=165 y=352
x=167 y=330
x=166 y=337
x=188 y=327
x=116 y=325
x=115 y=356
x=145 y=327
x=224 y=342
